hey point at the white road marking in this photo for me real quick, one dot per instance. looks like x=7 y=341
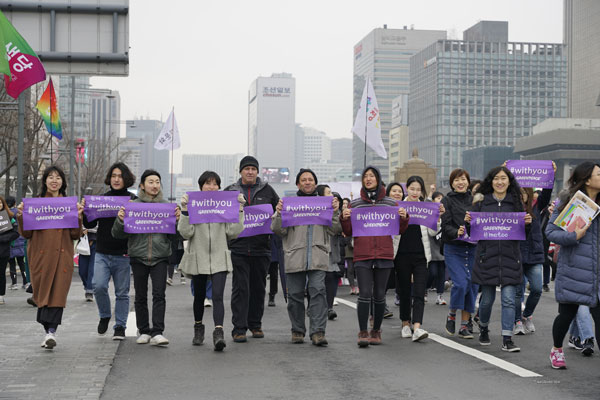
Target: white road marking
x=498 y=362
x=131 y=330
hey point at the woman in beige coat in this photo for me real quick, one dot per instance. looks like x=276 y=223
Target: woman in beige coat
x=50 y=256
x=207 y=257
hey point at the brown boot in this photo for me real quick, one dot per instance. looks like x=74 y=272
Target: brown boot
x=363 y=338
x=375 y=337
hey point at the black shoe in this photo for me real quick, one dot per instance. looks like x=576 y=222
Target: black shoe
x=103 y=325
x=470 y=325
x=271 y=300
x=119 y=333
x=219 y=339
x=464 y=333
x=331 y=314
x=450 y=325
x=575 y=343
x=31 y=302
x=510 y=346
x=484 y=336
x=588 y=347
x=29 y=289
x=387 y=313
x=546 y=288
x=198 y=334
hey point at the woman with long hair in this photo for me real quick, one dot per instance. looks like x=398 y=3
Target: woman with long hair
x=50 y=257
x=498 y=262
x=396 y=192
x=578 y=270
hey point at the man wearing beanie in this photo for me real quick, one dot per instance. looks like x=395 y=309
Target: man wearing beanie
x=251 y=257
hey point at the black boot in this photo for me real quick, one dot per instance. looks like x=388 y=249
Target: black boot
x=271 y=300
x=218 y=339
x=198 y=334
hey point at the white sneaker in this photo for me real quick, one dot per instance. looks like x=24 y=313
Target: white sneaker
x=169 y=281
x=2 y=300
x=143 y=339
x=406 y=332
x=519 y=329
x=207 y=303
x=14 y=287
x=182 y=280
x=440 y=300
x=529 y=327
x=49 y=341
x=335 y=302
x=419 y=334
x=159 y=340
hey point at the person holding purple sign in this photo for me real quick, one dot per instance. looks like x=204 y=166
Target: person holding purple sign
x=410 y=263
x=111 y=258
x=149 y=254
x=207 y=257
x=306 y=257
x=373 y=257
x=50 y=256
x=251 y=257
x=498 y=262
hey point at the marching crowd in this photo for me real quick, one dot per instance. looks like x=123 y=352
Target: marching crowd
x=313 y=257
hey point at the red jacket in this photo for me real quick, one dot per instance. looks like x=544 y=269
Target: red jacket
x=372 y=247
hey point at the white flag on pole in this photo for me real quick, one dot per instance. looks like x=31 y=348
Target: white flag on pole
x=169 y=135
x=368 y=122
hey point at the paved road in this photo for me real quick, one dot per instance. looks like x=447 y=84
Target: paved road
x=85 y=366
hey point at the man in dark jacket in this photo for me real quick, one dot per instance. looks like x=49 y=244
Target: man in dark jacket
x=250 y=257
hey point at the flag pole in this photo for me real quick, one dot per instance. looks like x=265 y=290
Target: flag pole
x=366 y=119
x=172 y=148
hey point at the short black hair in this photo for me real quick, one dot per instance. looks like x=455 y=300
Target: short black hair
x=321 y=189
x=147 y=173
x=11 y=201
x=128 y=176
x=208 y=176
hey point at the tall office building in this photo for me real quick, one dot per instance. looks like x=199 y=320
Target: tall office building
x=317 y=146
x=582 y=37
x=105 y=125
x=472 y=93
x=148 y=130
x=271 y=123
x=82 y=103
x=226 y=165
x=384 y=56
x=341 y=150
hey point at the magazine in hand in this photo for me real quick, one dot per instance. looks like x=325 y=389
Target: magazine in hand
x=579 y=212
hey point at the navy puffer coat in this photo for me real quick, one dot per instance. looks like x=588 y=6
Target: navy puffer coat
x=577 y=273
x=532 y=248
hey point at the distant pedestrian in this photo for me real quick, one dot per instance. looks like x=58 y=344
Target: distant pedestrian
x=6 y=238
x=17 y=253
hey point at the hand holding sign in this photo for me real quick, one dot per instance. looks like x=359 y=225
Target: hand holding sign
x=528 y=219
x=184 y=202
x=20 y=210
x=402 y=212
x=121 y=214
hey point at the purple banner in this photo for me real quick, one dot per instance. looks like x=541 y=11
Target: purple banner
x=306 y=210
x=375 y=221
x=532 y=173
x=422 y=213
x=50 y=213
x=466 y=238
x=103 y=206
x=150 y=218
x=212 y=206
x=497 y=226
x=257 y=220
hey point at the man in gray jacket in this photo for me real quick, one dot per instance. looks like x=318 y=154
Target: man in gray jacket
x=306 y=255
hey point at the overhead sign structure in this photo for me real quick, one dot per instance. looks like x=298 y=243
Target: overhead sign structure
x=86 y=37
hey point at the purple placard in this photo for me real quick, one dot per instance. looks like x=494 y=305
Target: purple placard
x=497 y=226
x=150 y=218
x=306 y=210
x=212 y=206
x=466 y=238
x=375 y=221
x=422 y=213
x=103 y=206
x=50 y=213
x=257 y=220
x=532 y=173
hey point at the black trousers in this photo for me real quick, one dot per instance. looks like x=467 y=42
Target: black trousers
x=218 y=287
x=566 y=314
x=273 y=277
x=158 y=274
x=50 y=317
x=248 y=292
x=411 y=267
x=12 y=262
x=331 y=286
x=3 y=263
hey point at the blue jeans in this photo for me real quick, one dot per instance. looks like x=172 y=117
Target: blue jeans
x=459 y=261
x=533 y=273
x=488 y=295
x=118 y=267
x=582 y=324
x=86 y=269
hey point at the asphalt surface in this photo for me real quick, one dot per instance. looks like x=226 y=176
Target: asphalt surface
x=87 y=366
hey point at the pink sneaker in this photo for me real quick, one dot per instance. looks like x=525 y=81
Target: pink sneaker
x=557 y=359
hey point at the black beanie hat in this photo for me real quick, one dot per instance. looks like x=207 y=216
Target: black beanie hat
x=149 y=172
x=303 y=170
x=248 y=161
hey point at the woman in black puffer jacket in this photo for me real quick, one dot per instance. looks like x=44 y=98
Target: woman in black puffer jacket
x=498 y=262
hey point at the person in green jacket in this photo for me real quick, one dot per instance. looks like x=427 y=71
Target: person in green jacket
x=149 y=254
x=207 y=257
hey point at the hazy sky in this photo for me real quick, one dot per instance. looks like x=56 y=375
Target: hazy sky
x=201 y=57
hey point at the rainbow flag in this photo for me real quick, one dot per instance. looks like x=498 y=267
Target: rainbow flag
x=19 y=64
x=48 y=108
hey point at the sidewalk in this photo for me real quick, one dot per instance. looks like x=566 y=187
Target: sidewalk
x=76 y=369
